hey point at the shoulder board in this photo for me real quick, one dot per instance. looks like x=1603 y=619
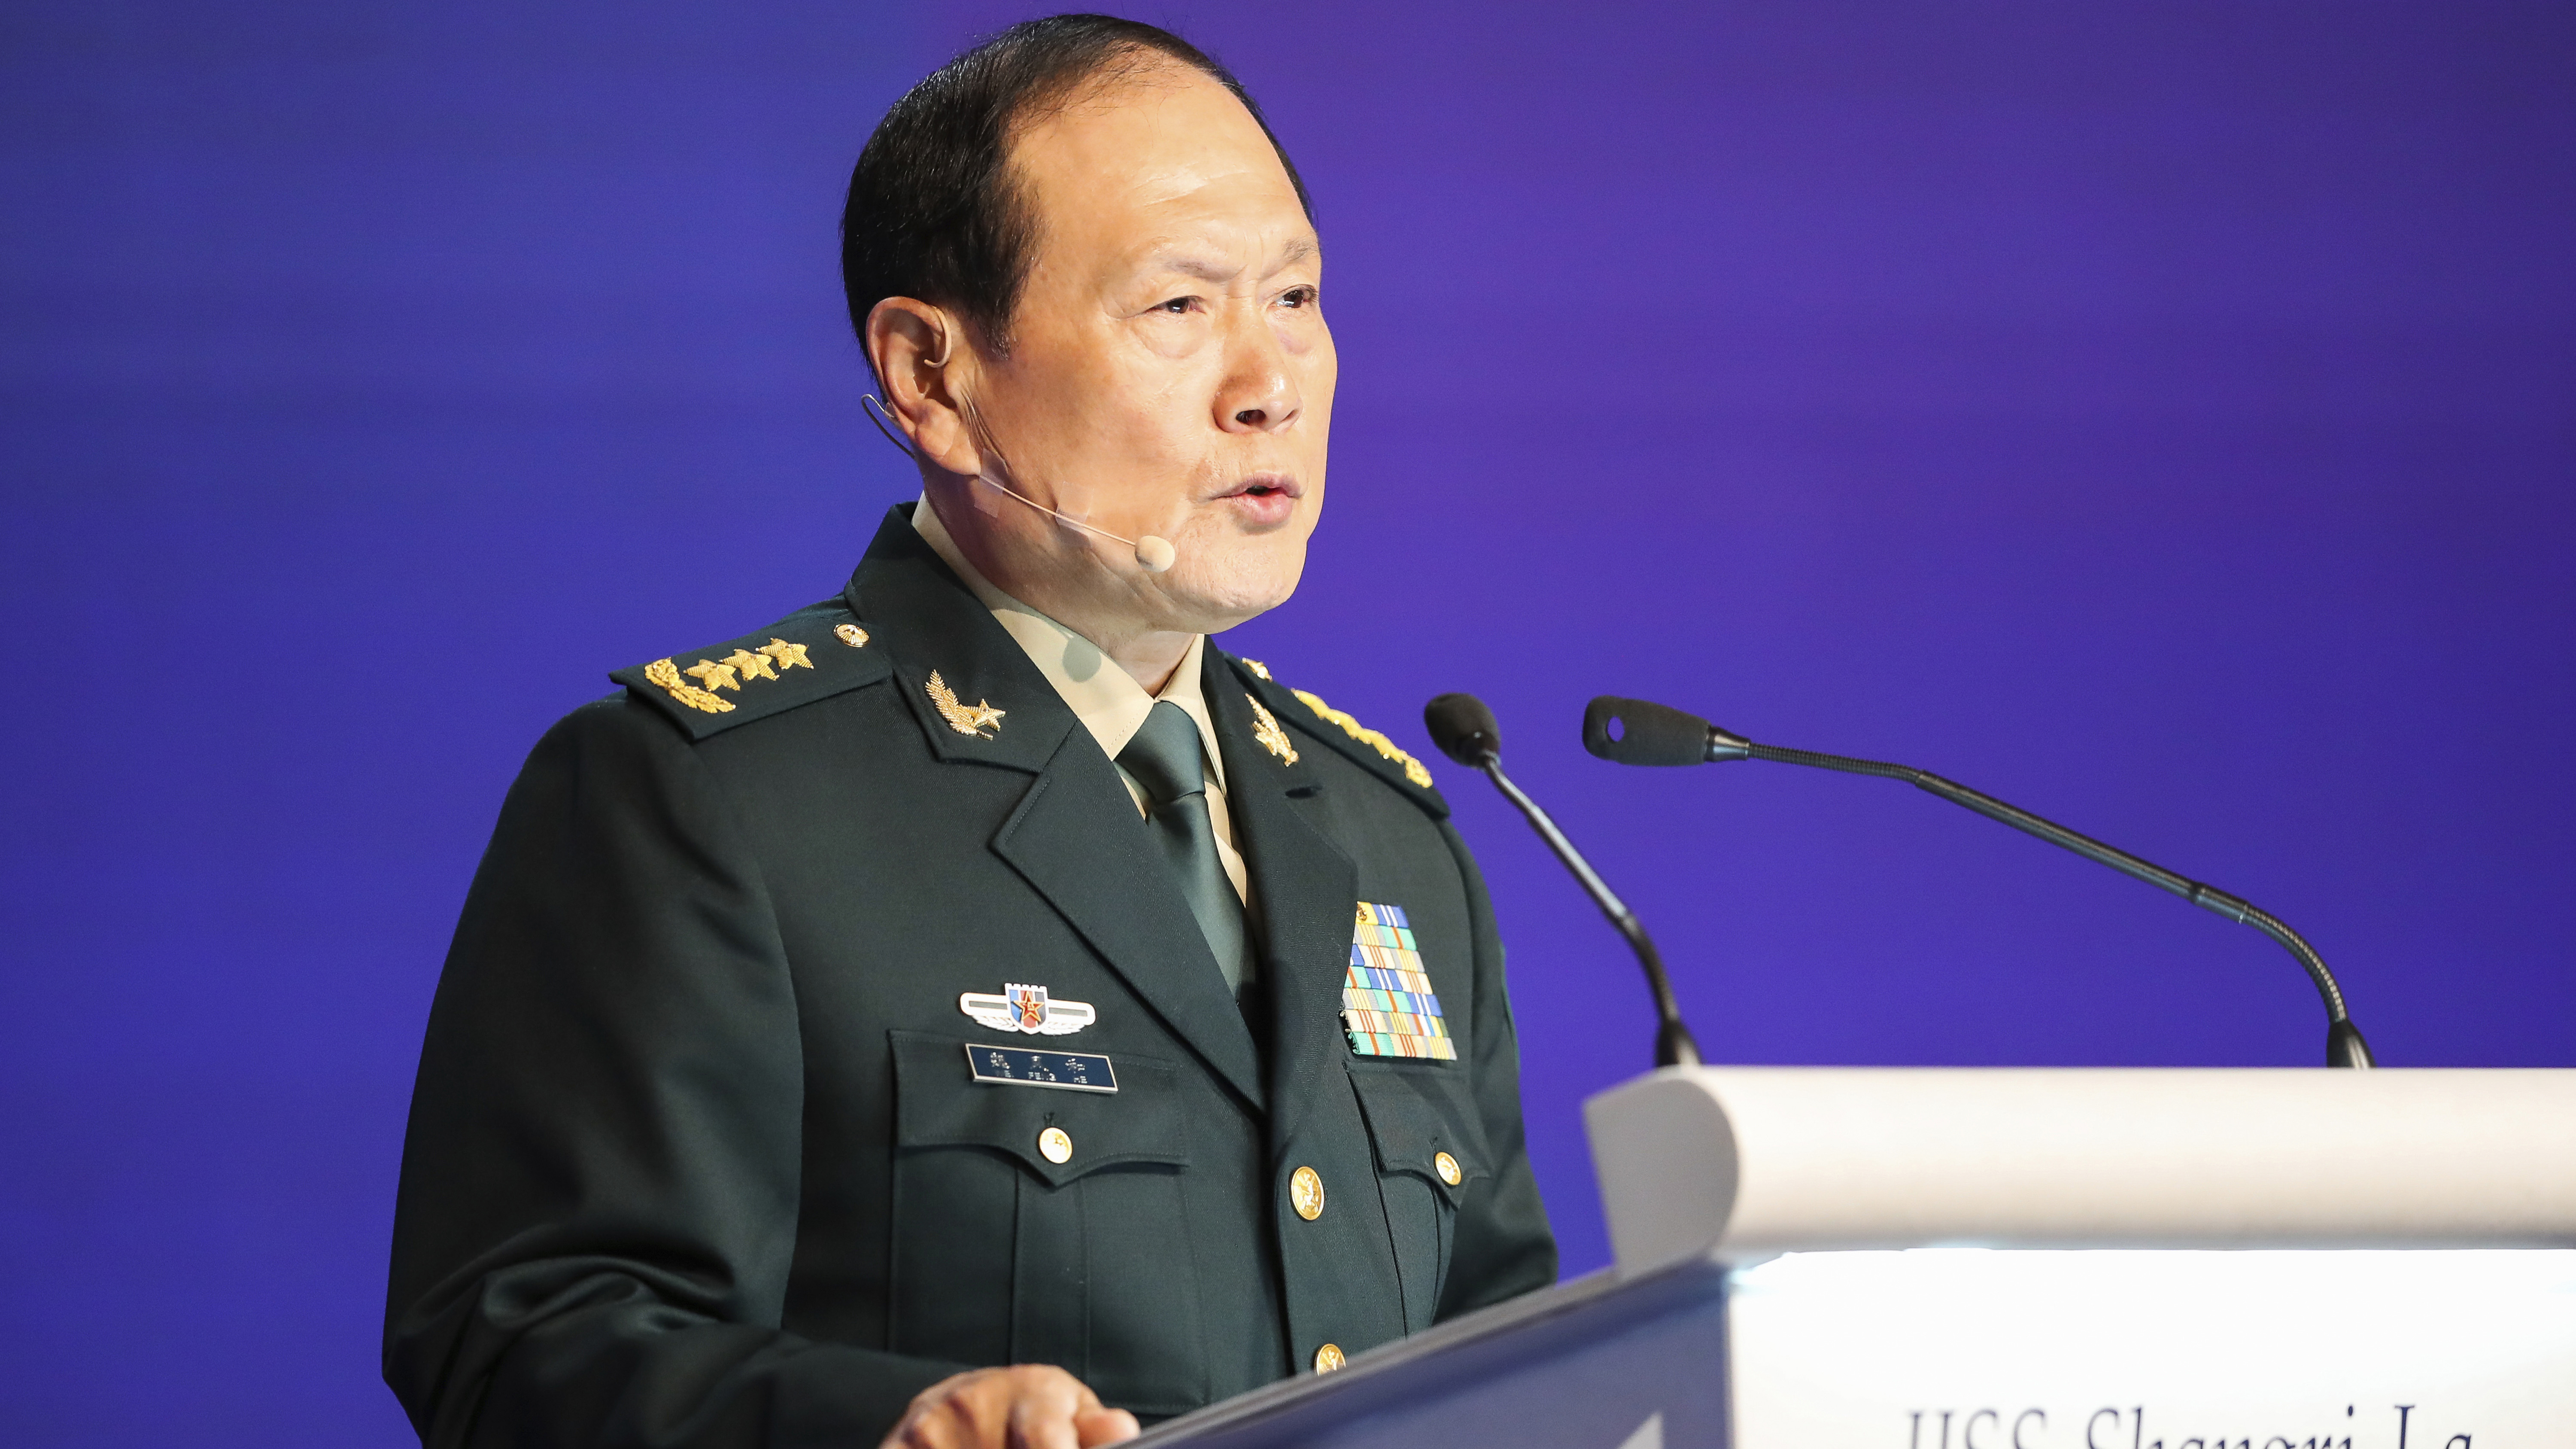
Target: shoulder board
x=1371 y=749
x=809 y=655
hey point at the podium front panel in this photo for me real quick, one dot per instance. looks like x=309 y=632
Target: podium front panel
x=1973 y=1349
x=1965 y=1349
x=2020 y=1259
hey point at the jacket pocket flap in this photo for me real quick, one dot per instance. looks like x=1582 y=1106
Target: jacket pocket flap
x=1416 y=1118
x=940 y=1103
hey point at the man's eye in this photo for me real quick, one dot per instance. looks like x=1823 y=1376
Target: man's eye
x=1176 y=305
x=1298 y=297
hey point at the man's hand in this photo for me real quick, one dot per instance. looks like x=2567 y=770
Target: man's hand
x=1031 y=1406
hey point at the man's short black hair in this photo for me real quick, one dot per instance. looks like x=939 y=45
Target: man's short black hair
x=934 y=211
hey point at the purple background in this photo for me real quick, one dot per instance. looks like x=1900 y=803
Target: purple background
x=2159 y=419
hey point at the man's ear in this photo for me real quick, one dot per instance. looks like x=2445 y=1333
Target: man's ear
x=915 y=348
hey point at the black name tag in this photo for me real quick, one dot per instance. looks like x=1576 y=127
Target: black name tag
x=1022 y=1067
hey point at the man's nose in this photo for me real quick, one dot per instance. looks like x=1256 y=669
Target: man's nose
x=1258 y=395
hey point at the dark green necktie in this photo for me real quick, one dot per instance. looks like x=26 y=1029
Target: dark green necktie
x=1167 y=759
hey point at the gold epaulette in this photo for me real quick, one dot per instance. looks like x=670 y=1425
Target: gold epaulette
x=807 y=656
x=1368 y=746
x=1414 y=769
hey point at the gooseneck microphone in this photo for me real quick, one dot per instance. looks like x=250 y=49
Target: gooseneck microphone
x=1465 y=731
x=1655 y=734
x=1153 y=555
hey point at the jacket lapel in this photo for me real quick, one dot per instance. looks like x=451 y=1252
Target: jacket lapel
x=1306 y=889
x=1075 y=836
x=928 y=622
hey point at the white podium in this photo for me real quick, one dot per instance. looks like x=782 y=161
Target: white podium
x=1815 y=1258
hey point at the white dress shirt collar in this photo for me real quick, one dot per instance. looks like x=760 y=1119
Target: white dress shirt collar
x=1107 y=699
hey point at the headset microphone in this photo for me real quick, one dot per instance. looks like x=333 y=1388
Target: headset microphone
x=1153 y=555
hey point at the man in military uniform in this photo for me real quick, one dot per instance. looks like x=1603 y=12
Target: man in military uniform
x=976 y=1009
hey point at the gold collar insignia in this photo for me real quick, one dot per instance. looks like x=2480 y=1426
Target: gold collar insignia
x=979 y=719
x=1267 y=733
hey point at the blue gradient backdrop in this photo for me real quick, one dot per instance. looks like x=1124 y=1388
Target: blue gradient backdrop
x=2160 y=417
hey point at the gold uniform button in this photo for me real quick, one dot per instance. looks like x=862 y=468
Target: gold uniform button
x=1329 y=1358
x=1306 y=1195
x=1055 y=1145
x=1448 y=1167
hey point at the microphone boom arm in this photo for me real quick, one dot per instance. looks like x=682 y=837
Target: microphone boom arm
x=1674 y=1046
x=1465 y=731
x=2344 y=1044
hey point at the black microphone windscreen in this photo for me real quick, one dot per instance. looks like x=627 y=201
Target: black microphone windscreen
x=1638 y=732
x=1463 y=729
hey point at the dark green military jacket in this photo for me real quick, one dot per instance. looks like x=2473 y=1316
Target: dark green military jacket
x=698 y=1154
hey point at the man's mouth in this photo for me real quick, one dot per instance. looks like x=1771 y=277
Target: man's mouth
x=1263 y=500
x=1267 y=485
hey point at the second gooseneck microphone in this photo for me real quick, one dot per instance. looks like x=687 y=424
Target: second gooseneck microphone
x=1153 y=555
x=1656 y=734
x=1465 y=731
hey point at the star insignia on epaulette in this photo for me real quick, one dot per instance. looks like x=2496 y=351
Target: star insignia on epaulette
x=729 y=672
x=1267 y=733
x=979 y=719
x=714 y=675
x=667 y=675
x=789 y=656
